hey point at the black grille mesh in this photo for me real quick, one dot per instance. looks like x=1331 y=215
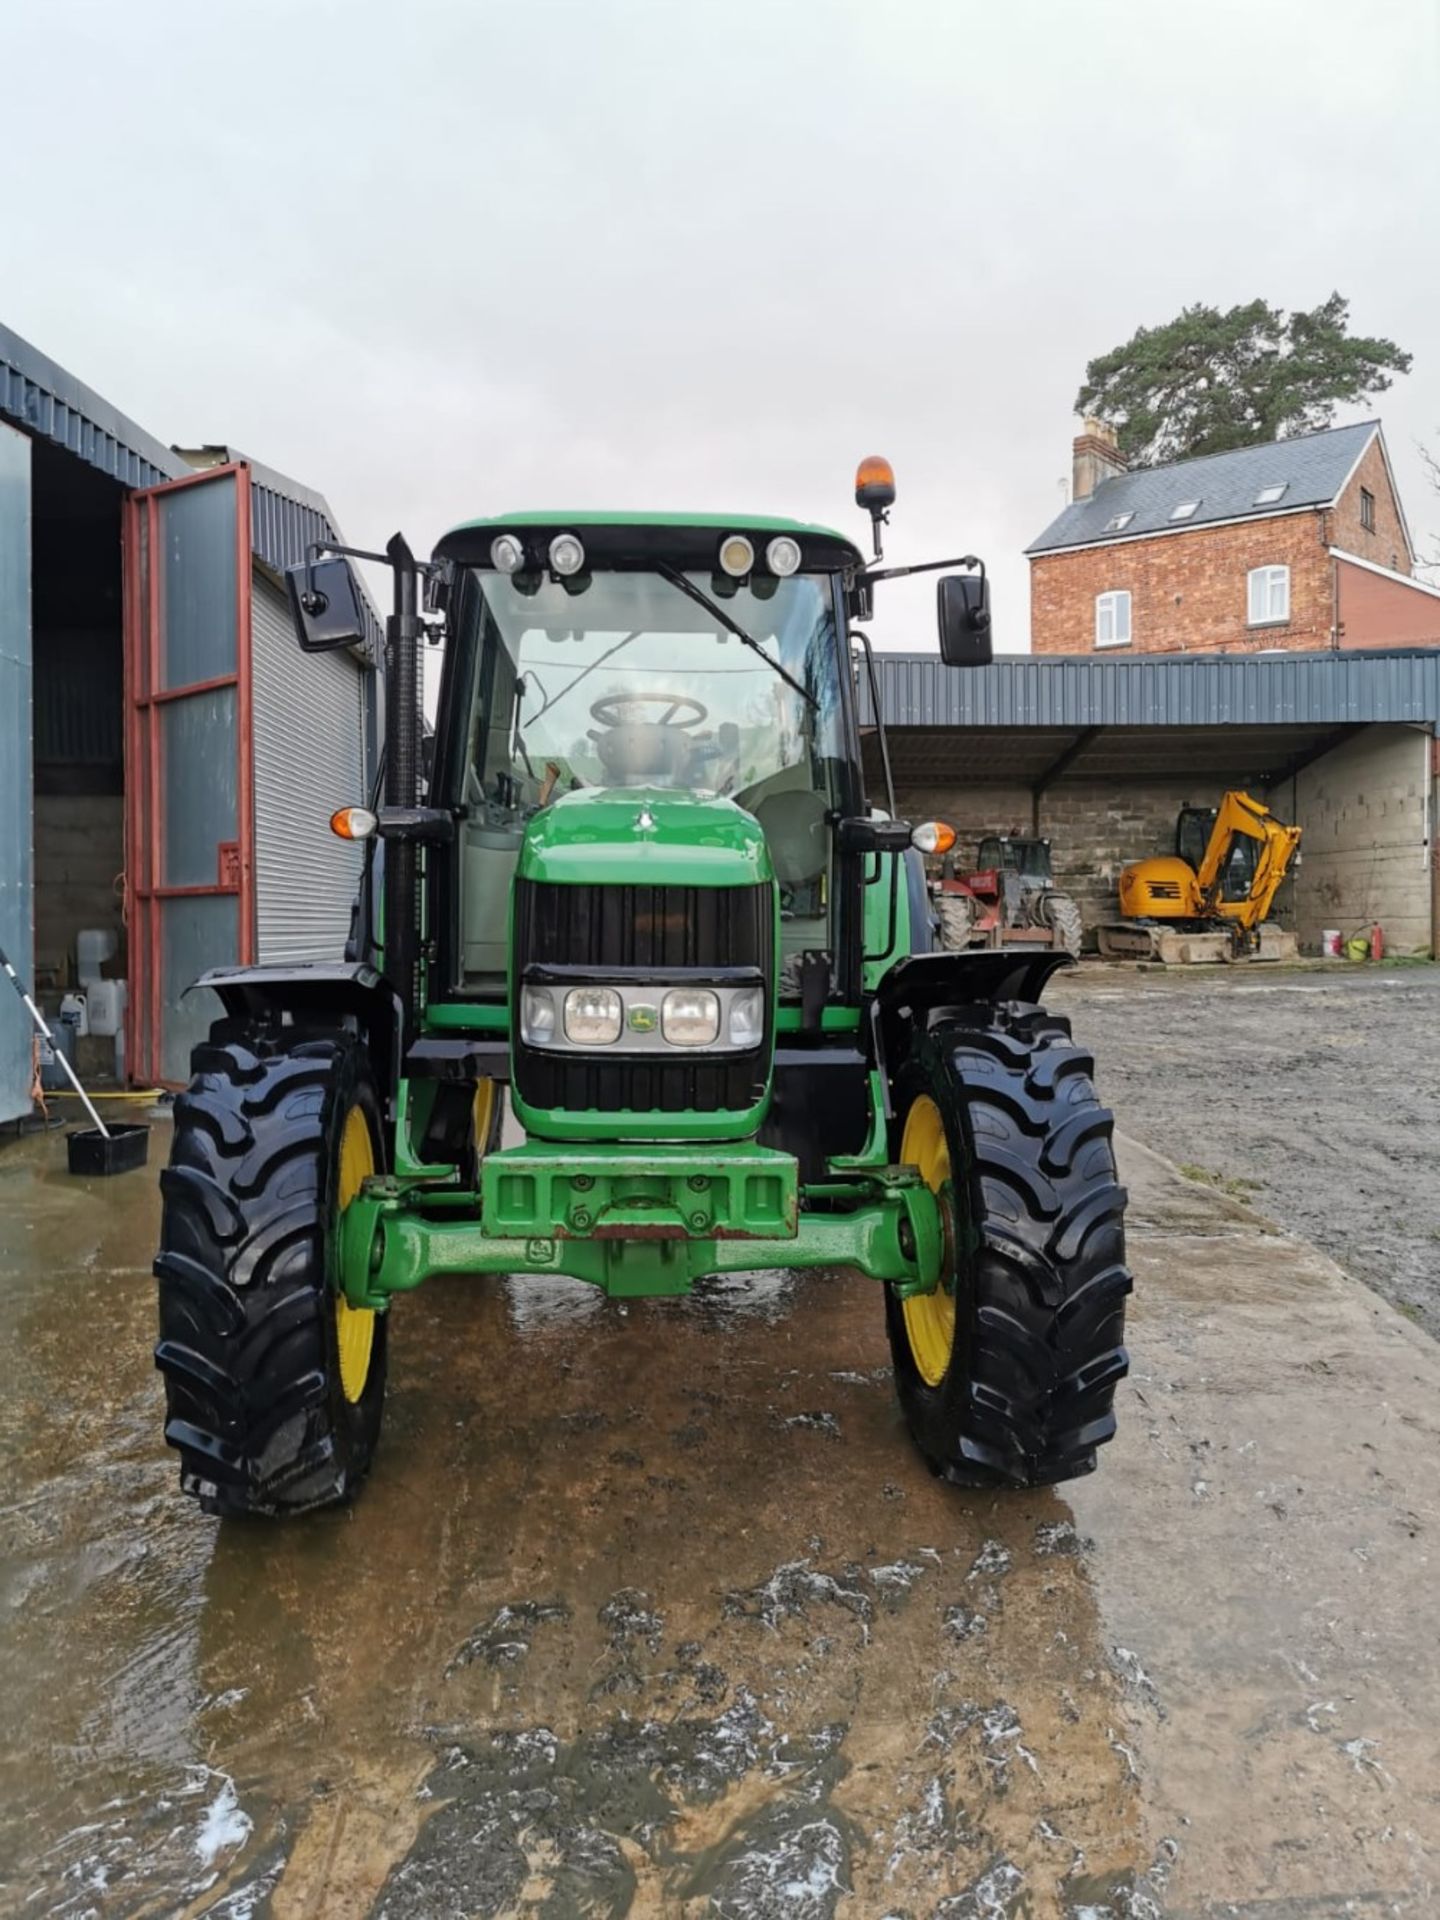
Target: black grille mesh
x=600 y=926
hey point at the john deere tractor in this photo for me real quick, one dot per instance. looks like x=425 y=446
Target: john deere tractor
x=640 y=897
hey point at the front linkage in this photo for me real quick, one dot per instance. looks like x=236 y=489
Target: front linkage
x=640 y=1224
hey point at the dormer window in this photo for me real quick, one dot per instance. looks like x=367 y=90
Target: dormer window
x=1186 y=510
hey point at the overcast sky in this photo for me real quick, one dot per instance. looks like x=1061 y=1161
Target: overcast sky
x=440 y=259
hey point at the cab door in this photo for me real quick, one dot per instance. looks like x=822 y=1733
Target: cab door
x=190 y=856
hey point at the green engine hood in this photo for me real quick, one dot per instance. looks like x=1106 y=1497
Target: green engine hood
x=645 y=836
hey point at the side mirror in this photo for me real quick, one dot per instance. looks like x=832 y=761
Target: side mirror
x=325 y=605
x=963 y=610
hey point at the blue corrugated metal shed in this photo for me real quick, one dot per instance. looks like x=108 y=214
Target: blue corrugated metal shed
x=48 y=401
x=1232 y=690
x=45 y=400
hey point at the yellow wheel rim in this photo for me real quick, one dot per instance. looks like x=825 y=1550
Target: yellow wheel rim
x=354 y=1326
x=929 y=1317
x=485 y=1098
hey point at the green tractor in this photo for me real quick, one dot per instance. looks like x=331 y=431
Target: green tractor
x=639 y=889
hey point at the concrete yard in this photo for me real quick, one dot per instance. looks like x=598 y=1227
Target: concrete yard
x=1314 y=1092
x=654 y=1611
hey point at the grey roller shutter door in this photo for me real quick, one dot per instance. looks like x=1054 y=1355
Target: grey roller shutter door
x=309 y=729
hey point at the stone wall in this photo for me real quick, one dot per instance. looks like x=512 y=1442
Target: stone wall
x=1364 y=857
x=1362 y=808
x=1094 y=828
x=79 y=851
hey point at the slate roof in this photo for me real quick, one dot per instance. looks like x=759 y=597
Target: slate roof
x=1314 y=467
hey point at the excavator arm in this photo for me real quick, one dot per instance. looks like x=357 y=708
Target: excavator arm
x=1240 y=815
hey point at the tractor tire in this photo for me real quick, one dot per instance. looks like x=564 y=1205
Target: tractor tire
x=1063 y=916
x=1007 y=1373
x=274 y=1386
x=956 y=914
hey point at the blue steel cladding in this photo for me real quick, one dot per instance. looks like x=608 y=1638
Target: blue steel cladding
x=15 y=793
x=1302 y=689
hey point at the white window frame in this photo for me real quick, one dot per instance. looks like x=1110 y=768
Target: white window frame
x=1268 y=596
x=1109 y=608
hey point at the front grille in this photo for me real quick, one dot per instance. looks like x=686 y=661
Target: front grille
x=1165 y=889
x=697 y=928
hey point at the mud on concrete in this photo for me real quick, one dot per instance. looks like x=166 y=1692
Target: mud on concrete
x=1313 y=1092
x=651 y=1610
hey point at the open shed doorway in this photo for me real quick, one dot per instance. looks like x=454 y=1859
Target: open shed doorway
x=79 y=756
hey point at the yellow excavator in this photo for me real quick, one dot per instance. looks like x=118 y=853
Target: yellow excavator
x=1210 y=898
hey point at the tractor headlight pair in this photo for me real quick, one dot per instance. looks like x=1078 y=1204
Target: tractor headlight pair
x=594 y=1016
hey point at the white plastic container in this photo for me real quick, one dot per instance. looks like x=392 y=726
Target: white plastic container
x=75 y=1014
x=1330 y=946
x=93 y=947
x=106 y=1007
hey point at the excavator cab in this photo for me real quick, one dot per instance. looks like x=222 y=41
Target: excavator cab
x=1194 y=830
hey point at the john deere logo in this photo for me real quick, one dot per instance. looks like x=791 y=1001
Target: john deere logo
x=643 y=1019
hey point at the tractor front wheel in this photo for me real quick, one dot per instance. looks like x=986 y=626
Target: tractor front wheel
x=1006 y=1373
x=274 y=1384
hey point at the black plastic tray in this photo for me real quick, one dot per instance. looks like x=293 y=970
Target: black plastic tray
x=91 y=1153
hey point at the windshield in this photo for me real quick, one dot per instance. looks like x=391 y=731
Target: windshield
x=629 y=682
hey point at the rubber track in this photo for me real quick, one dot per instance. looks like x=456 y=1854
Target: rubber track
x=1050 y=1276
x=243 y=1296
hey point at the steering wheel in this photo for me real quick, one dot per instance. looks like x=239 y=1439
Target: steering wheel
x=612 y=711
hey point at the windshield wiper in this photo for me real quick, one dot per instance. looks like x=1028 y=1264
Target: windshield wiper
x=731 y=625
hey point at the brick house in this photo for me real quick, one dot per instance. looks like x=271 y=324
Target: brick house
x=1296 y=544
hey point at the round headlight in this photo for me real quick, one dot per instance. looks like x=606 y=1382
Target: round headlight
x=506 y=554
x=782 y=556
x=737 y=556
x=690 y=1017
x=567 y=556
x=592 y=1016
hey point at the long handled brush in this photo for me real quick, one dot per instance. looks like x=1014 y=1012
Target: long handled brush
x=59 y=1052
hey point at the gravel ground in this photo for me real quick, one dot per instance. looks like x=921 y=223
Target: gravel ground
x=1313 y=1094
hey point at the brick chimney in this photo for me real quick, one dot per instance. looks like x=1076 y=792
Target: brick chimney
x=1097 y=457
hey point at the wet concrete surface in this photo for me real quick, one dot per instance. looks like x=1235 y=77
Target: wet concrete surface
x=1320 y=1086
x=653 y=1611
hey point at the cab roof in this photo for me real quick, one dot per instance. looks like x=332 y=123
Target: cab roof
x=631 y=538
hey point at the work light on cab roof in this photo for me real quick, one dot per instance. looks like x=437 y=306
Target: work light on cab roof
x=640 y=896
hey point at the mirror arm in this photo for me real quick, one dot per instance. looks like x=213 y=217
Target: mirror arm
x=966 y=560
x=315 y=602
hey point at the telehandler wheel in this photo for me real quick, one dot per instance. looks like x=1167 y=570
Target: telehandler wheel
x=274 y=1384
x=1007 y=1372
x=1064 y=918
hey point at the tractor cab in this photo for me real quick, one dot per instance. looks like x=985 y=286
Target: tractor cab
x=616 y=689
